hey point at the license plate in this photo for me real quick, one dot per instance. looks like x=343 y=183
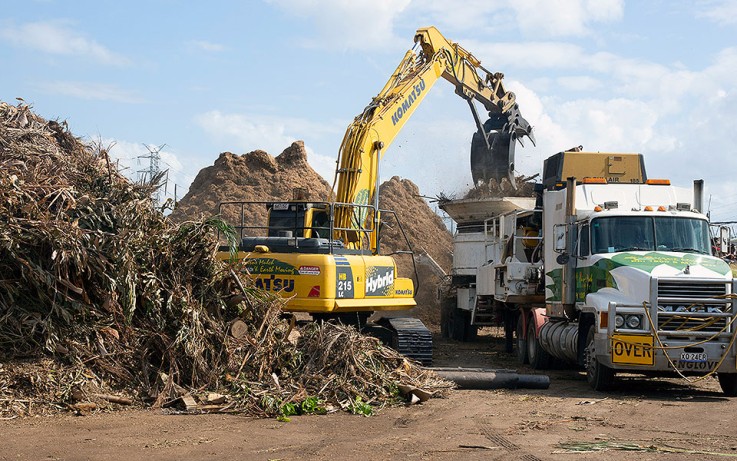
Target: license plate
x=694 y=357
x=632 y=349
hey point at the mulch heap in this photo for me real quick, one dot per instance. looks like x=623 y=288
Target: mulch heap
x=105 y=302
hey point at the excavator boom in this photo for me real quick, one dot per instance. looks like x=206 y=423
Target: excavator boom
x=372 y=131
x=492 y=146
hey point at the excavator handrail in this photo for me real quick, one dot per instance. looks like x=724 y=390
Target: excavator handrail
x=298 y=224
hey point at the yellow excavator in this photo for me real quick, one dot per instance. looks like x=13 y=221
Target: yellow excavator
x=323 y=257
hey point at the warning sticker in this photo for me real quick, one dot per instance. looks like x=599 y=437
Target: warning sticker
x=309 y=270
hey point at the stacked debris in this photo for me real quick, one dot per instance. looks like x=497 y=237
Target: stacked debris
x=104 y=301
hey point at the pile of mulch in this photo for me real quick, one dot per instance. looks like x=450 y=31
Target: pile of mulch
x=255 y=176
x=105 y=302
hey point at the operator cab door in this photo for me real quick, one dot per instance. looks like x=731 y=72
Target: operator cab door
x=584 y=241
x=306 y=220
x=583 y=252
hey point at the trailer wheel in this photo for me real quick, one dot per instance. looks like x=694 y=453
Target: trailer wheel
x=600 y=377
x=538 y=357
x=522 y=356
x=460 y=327
x=510 y=319
x=728 y=383
x=445 y=317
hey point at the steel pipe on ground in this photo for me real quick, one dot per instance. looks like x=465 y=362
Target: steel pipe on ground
x=492 y=379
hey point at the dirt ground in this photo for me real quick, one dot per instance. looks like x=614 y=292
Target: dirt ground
x=657 y=419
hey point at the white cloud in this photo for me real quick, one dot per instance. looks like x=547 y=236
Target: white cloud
x=204 y=45
x=533 y=17
x=347 y=24
x=473 y=14
x=723 y=12
x=530 y=55
x=584 y=83
x=564 y=17
x=56 y=37
x=91 y=91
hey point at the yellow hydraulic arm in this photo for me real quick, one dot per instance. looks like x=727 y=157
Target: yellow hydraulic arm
x=372 y=131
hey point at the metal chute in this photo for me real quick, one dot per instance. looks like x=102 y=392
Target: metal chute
x=493 y=144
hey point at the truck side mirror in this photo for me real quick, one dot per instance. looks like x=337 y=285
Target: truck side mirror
x=559 y=234
x=724 y=239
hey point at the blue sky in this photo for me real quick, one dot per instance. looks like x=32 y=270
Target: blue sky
x=652 y=76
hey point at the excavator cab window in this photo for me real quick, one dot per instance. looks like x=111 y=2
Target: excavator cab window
x=286 y=220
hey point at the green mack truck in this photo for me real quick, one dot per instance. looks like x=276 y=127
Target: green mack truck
x=604 y=268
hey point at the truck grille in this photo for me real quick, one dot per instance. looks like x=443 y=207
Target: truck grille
x=680 y=307
x=668 y=289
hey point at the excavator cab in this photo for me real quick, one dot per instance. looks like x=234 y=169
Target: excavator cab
x=299 y=219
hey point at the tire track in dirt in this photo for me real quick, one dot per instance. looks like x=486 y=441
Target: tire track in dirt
x=495 y=437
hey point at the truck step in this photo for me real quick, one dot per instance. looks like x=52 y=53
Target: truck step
x=413 y=339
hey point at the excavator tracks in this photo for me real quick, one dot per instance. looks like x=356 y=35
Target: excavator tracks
x=412 y=338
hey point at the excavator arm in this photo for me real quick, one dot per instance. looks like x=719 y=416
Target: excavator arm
x=492 y=146
x=372 y=131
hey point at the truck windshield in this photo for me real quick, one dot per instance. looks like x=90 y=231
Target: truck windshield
x=650 y=233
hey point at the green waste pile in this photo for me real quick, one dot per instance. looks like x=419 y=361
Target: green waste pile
x=105 y=302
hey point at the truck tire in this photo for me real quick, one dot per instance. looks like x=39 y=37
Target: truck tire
x=600 y=377
x=510 y=320
x=538 y=357
x=460 y=327
x=445 y=318
x=728 y=383
x=522 y=356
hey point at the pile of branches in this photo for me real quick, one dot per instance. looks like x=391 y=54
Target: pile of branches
x=276 y=367
x=101 y=295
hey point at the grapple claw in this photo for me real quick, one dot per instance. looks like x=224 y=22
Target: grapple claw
x=493 y=157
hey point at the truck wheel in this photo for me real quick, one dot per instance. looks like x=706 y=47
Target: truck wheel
x=457 y=325
x=599 y=376
x=472 y=331
x=728 y=383
x=538 y=357
x=445 y=319
x=510 y=318
x=522 y=356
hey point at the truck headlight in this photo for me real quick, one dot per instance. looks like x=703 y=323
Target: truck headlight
x=619 y=321
x=633 y=322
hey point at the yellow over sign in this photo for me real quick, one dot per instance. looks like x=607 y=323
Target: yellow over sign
x=632 y=349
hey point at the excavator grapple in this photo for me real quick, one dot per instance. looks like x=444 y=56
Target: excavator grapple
x=493 y=144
